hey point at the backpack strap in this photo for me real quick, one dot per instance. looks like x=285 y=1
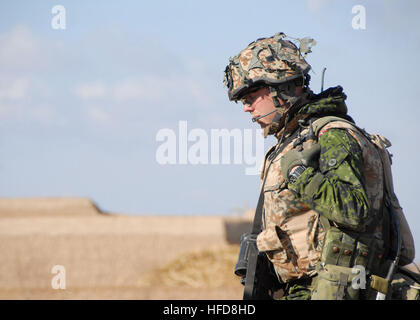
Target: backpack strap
x=318 y=124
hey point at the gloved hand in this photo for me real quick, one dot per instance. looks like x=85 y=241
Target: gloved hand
x=293 y=158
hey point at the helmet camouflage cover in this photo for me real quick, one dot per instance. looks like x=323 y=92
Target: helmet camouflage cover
x=267 y=61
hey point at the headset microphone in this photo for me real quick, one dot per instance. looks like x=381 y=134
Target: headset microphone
x=264 y=115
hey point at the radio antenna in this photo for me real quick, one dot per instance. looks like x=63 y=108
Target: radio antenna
x=322 y=80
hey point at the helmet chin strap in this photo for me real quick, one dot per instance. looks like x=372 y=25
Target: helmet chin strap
x=286 y=92
x=274 y=94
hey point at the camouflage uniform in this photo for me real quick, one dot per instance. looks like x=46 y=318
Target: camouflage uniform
x=316 y=227
x=346 y=189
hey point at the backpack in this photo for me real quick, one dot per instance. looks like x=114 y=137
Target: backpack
x=407 y=250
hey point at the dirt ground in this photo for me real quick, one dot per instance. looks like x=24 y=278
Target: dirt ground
x=108 y=256
x=115 y=256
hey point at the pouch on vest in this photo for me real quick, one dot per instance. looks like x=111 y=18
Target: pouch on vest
x=348 y=250
x=338 y=247
x=336 y=283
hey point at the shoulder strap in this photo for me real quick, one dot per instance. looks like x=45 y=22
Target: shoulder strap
x=318 y=124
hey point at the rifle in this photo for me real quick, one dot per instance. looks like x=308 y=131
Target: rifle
x=255 y=270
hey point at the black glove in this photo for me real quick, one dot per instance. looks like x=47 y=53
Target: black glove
x=306 y=158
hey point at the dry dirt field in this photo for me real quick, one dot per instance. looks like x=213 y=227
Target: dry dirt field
x=115 y=256
x=112 y=256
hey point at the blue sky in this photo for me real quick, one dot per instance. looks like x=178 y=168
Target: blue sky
x=80 y=108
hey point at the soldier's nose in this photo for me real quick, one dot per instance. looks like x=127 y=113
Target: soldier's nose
x=248 y=108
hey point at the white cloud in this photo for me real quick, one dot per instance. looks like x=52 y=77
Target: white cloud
x=132 y=89
x=45 y=114
x=98 y=115
x=21 y=51
x=315 y=5
x=90 y=91
x=148 y=89
x=13 y=88
x=153 y=89
x=25 y=62
x=25 y=97
x=35 y=72
x=17 y=45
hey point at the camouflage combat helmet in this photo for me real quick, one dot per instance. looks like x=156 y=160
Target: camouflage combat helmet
x=276 y=63
x=267 y=61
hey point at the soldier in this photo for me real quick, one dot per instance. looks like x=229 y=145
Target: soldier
x=325 y=220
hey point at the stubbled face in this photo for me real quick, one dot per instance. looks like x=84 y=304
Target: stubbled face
x=258 y=103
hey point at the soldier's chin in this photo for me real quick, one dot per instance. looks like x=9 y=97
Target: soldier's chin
x=262 y=124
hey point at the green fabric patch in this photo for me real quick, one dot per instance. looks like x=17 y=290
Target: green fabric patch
x=339 y=194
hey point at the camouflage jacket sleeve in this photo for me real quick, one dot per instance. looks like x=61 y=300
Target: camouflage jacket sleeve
x=336 y=189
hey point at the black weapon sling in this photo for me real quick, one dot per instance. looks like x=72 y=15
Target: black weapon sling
x=257 y=225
